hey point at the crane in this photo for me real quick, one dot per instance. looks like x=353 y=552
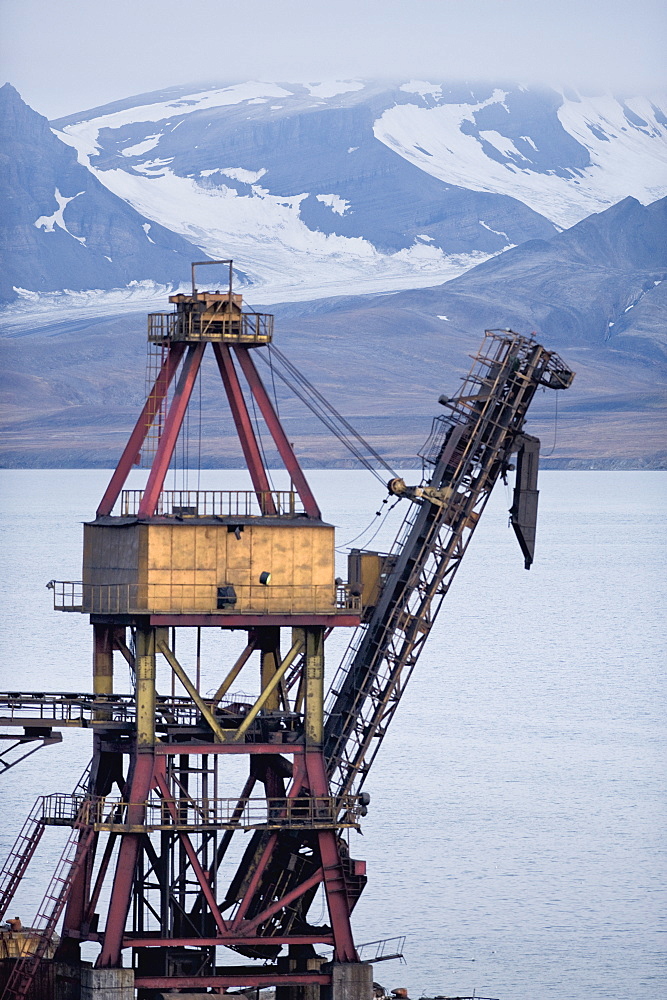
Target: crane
x=164 y=885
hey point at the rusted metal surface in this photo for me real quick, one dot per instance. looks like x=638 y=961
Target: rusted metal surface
x=471 y=452
x=152 y=822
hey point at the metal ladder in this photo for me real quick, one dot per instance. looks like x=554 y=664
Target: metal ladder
x=155 y=357
x=484 y=424
x=19 y=857
x=51 y=907
x=25 y=846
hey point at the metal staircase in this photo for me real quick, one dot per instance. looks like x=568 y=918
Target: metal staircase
x=51 y=907
x=19 y=857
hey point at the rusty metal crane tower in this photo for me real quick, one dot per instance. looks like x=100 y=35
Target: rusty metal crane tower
x=149 y=867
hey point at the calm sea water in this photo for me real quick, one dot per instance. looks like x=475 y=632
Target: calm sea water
x=516 y=830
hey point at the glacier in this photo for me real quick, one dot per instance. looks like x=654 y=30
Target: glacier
x=355 y=187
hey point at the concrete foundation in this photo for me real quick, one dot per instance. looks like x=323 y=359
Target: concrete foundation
x=107 y=984
x=351 y=981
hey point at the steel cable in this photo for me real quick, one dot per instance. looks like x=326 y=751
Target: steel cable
x=553 y=447
x=334 y=412
x=305 y=391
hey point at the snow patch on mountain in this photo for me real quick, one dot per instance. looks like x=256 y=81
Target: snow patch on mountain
x=139 y=148
x=441 y=141
x=303 y=218
x=284 y=259
x=238 y=174
x=48 y=222
x=83 y=134
x=422 y=87
x=37 y=308
x=153 y=168
x=498 y=232
x=503 y=145
x=337 y=204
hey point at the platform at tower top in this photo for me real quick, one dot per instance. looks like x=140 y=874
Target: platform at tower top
x=213 y=316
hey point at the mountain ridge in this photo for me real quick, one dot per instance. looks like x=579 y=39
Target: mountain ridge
x=62 y=228
x=367 y=184
x=383 y=360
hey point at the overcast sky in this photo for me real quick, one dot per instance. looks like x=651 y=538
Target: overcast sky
x=69 y=55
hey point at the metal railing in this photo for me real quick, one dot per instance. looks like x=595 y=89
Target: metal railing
x=18 y=708
x=215 y=503
x=201 y=598
x=234 y=328
x=383 y=950
x=201 y=814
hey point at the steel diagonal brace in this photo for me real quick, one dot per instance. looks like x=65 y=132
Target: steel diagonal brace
x=244 y=429
x=235 y=671
x=264 y=859
x=172 y=427
x=226 y=840
x=254 y=882
x=200 y=874
x=277 y=432
x=268 y=690
x=142 y=427
x=248 y=926
x=191 y=689
x=119 y=904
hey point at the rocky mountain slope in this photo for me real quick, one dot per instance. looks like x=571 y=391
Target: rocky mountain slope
x=601 y=283
x=61 y=228
x=361 y=186
x=339 y=190
x=594 y=293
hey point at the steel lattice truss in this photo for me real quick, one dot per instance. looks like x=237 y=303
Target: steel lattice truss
x=483 y=429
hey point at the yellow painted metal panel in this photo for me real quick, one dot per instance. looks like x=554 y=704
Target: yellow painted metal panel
x=159 y=546
x=206 y=546
x=303 y=561
x=178 y=567
x=182 y=546
x=235 y=557
x=261 y=554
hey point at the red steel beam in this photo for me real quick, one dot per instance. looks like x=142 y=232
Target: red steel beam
x=224 y=620
x=244 y=428
x=277 y=432
x=121 y=892
x=337 y=899
x=227 y=941
x=200 y=875
x=172 y=426
x=289 y=897
x=141 y=428
x=260 y=867
x=254 y=882
x=241 y=979
x=334 y=878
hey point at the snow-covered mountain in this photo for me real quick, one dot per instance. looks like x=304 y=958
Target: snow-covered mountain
x=63 y=229
x=599 y=286
x=360 y=186
x=596 y=292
